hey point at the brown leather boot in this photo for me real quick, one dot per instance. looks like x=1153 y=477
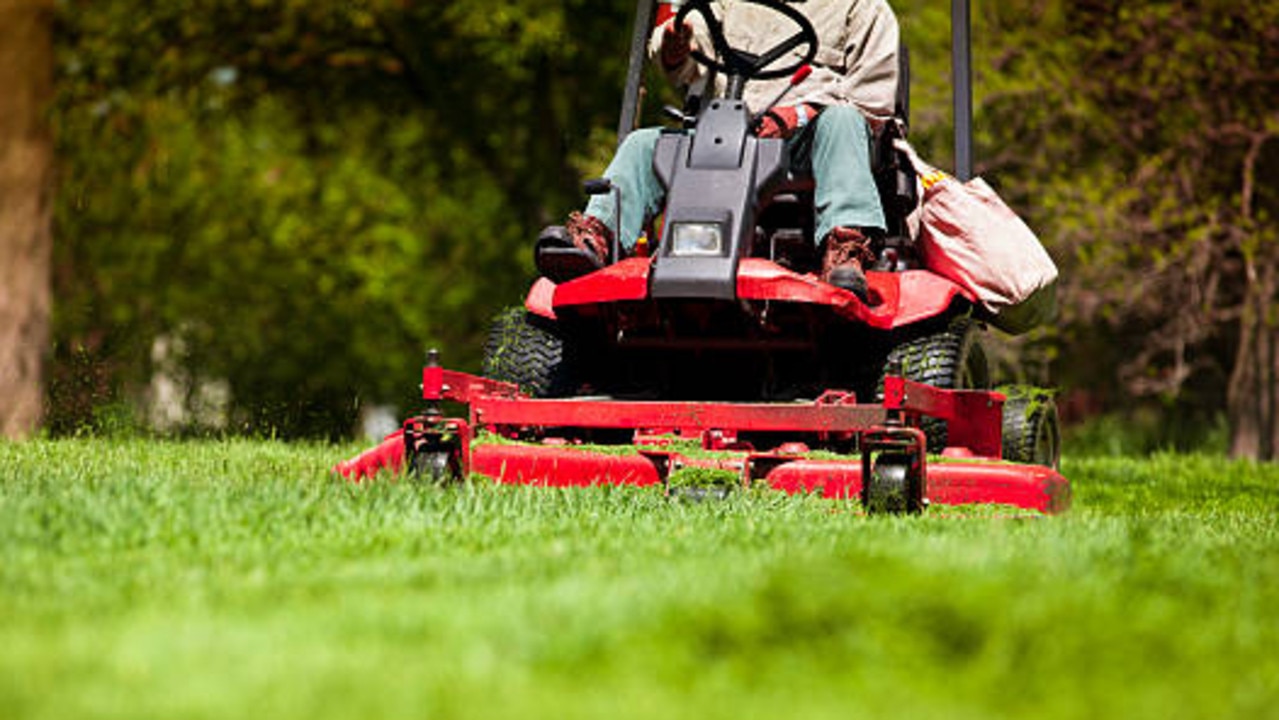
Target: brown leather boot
x=576 y=248
x=589 y=233
x=847 y=251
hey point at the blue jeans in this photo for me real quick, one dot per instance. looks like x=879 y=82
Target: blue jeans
x=839 y=154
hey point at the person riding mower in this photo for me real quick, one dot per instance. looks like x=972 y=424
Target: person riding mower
x=698 y=298
x=827 y=120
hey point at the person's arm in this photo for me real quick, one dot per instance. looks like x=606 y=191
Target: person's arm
x=670 y=48
x=870 y=55
x=862 y=73
x=786 y=120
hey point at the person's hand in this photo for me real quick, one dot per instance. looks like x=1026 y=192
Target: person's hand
x=677 y=43
x=782 y=122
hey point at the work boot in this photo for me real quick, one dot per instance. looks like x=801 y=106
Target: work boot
x=576 y=248
x=589 y=233
x=846 y=251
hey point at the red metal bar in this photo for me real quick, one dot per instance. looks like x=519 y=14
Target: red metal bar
x=693 y=416
x=974 y=418
x=440 y=384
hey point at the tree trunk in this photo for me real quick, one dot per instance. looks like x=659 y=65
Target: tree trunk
x=1253 y=396
x=26 y=182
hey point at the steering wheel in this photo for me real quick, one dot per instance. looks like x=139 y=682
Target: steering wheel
x=745 y=64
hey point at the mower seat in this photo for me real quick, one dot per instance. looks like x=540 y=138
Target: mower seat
x=895 y=177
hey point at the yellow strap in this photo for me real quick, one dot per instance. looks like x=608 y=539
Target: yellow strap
x=932 y=178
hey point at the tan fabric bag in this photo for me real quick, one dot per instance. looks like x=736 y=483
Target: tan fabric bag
x=968 y=235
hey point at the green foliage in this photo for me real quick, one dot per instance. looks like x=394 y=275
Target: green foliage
x=1148 y=430
x=302 y=198
x=1134 y=138
x=233 y=579
x=298 y=198
x=702 y=477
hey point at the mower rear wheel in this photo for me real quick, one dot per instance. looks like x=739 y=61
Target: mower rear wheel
x=1031 y=429
x=531 y=352
x=950 y=359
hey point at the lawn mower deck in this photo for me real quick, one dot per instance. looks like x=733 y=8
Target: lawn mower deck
x=890 y=470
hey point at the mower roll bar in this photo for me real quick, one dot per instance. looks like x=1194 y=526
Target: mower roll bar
x=645 y=14
x=961 y=66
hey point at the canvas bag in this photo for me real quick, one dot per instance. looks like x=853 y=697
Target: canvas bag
x=968 y=235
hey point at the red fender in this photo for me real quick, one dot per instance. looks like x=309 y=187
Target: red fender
x=898 y=299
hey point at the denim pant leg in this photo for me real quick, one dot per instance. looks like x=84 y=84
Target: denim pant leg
x=631 y=171
x=845 y=193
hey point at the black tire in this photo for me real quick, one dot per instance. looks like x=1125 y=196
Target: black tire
x=1031 y=429
x=950 y=359
x=435 y=467
x=890 y=489
x=529 y=351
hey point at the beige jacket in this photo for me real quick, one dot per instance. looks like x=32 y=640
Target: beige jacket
x=856 y=62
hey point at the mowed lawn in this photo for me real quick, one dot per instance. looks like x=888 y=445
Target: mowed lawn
x=237 y=580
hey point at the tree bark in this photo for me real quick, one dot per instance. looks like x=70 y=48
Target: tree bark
x=1252 y=400
x=1252 y=404
x=26 y=217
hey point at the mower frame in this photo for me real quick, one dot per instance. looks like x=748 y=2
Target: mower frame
x=890 y=448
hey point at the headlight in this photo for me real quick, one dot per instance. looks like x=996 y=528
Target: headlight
x=696 y=239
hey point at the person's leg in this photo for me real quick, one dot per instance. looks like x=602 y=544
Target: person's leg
x=845 y=193
x=836 y=150
x=631 y=171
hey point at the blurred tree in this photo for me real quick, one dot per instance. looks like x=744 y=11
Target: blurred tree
x=1138 y=138
x=299 y=197
x=307 y=195
x=26 y=162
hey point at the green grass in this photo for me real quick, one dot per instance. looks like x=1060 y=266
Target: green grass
x=235 y=580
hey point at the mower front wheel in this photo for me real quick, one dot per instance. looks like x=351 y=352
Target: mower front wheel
x=435 y=467
x=892 y=488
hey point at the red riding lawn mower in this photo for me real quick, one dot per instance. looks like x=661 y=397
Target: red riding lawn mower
x=718 y=359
